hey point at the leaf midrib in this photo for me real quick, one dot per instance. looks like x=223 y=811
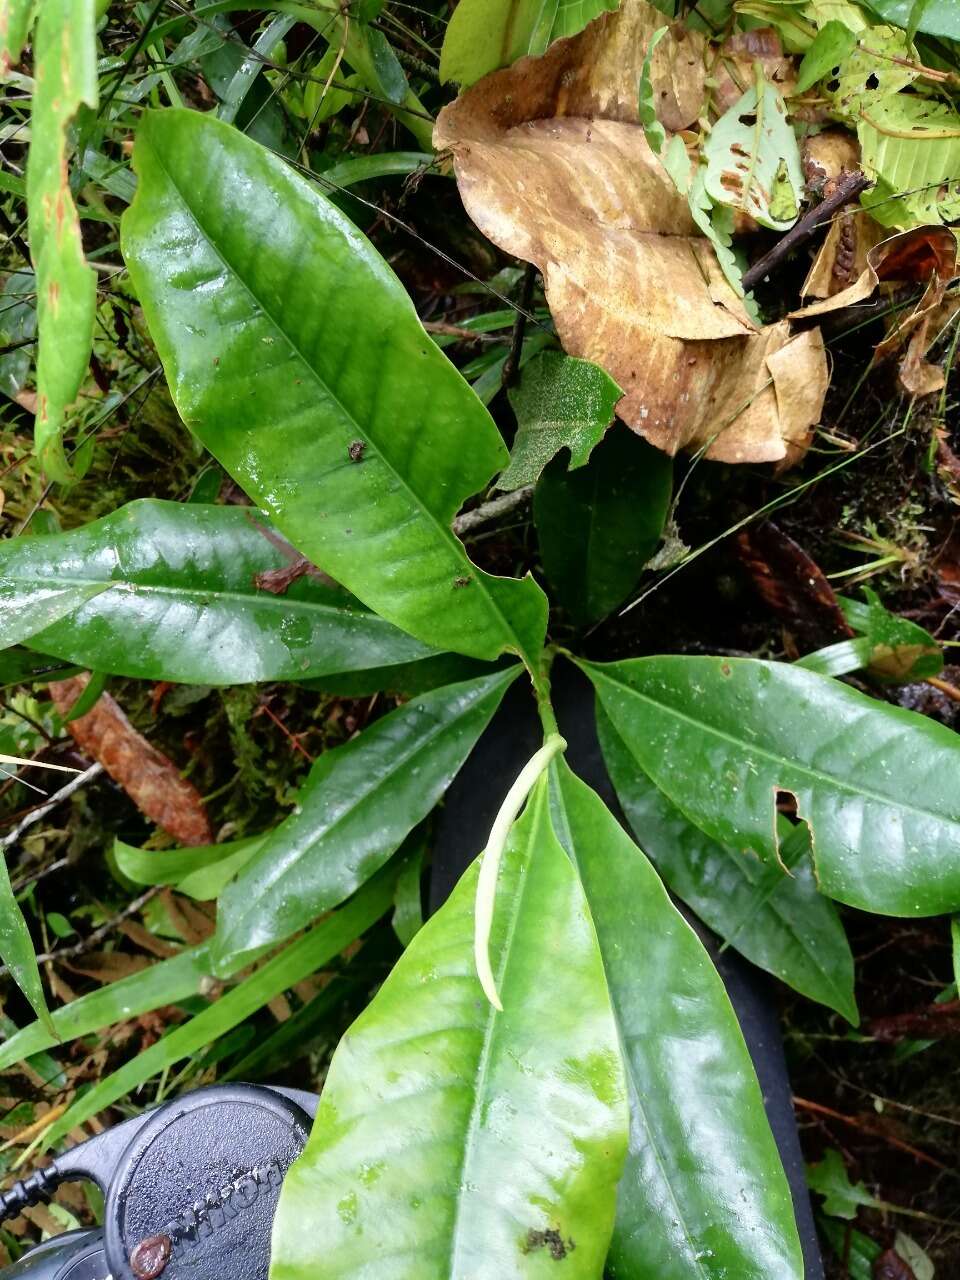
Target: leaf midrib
x=446 y=535
x=781 y=761
x=255 y=599
x=637 y=1097
x=490 y=1031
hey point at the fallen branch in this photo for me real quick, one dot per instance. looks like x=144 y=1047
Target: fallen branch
x=849 y=186
x=92 y=941
x=43 y=809
x=487 y=512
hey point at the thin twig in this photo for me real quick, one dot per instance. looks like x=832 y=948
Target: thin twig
x=94 y=939
x=944 y=686
x=849 y=186
x=866 y=1127
x=446 y=330
x=43 y=809
x=492 y=510
x=511 y=366
x=42 y=874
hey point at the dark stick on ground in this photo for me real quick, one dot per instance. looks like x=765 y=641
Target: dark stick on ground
x=849 y=186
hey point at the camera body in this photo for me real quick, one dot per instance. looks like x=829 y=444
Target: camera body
x=190 y=1189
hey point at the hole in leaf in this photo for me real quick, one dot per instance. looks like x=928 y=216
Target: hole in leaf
x=873 y=81
x=749 y=118
x=833 y=85
x=787 y=804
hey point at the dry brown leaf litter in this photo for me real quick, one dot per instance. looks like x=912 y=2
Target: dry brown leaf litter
x=553 y=167
x=150 y=779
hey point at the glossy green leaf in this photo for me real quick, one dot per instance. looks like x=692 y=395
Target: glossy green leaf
x=722 y=736
x=357 y=806
x=703 y=1194
x=18 y=326
x=296 y=357
x=781 y=922
x=459 y=1143
x=16 y=948
x=296 y=962
x=251 y=65
x=831 y=47
x=166 y=982
x=40 y=606
x=65 y=71
x=838 y=659
x=183 y=603
x=402 y=677
x=200 y=872
x=599 y=526
x=483 y=35
x=753 y=159
x=560 y=403
x=936 y=17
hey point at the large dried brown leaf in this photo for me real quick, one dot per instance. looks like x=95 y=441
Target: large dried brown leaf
x=920 y=254
x=553 y=166
x=150 y=779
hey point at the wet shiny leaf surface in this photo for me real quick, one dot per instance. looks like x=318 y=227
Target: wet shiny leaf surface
x=295 y=355
x=357 y=806
x=456 y=1143
x=703 y=1194
x=183 y=602
x=721 y=736
x=779 y=921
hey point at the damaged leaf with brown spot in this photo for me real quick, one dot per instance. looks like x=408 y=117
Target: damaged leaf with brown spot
x=553 y=166
x=65 y=68
x=150 y=779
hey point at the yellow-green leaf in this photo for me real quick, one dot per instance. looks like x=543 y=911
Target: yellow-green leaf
x=65 y=70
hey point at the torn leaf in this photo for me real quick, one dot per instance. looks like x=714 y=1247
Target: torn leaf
x=753 y=160
x=560 y=403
